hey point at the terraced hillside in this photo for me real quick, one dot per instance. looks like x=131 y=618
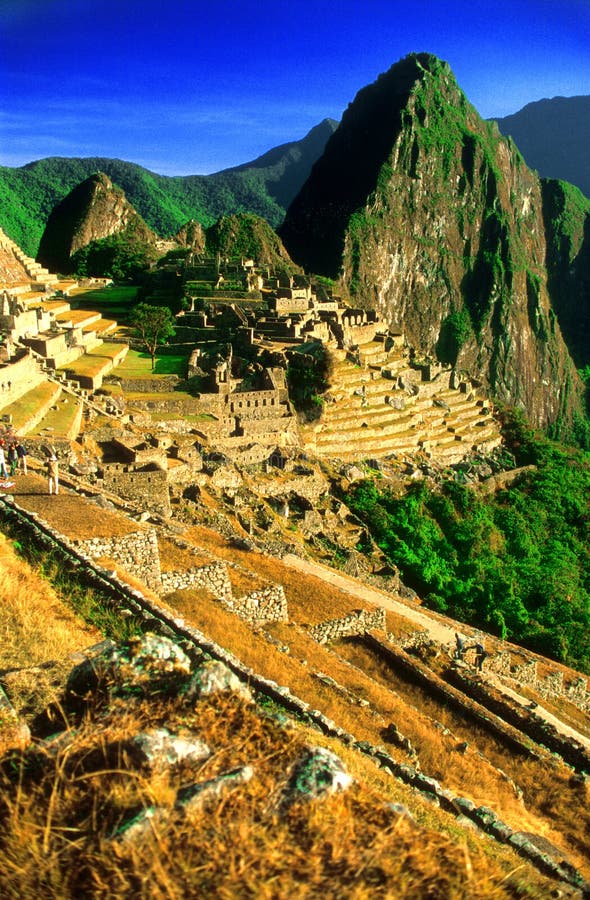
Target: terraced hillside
x=390 y=706
x=49 y=348
x=380 y=405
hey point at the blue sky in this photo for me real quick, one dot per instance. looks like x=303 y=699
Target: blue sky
x=193 y=87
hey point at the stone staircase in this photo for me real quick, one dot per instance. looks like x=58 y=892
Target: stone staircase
x=384 y=407
x=29 y=270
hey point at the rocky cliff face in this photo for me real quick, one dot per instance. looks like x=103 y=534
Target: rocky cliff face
x=95 y=209
x=431 y=217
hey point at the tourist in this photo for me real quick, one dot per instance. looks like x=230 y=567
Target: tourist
x=460 y=648
x=12 y=458
x=52 y=474
x=480 y=655
x=21 y=452
x=3 y=461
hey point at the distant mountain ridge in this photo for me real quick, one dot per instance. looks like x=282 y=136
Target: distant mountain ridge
x=264 y=186
x=554 y=137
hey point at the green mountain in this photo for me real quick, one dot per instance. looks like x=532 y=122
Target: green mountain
x=264 y=186
x=431 y=217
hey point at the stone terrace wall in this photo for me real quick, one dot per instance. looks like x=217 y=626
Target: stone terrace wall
x=266 y=605
x=149 y=488
x=137 y=552
x=213 y=577
x=553 y=685
x=355 y=623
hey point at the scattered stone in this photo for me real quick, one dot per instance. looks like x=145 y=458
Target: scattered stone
x=159 y=749
x=141 y=825
x=403 y=812
x=192 y=798
x=317 y=773
x=145 y=664
x=213 y=678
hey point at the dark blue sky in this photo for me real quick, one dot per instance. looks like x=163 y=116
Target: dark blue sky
x=192 y=87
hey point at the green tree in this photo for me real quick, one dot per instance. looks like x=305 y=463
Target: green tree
x=153 y=326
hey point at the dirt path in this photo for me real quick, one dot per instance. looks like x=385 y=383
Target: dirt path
x=444 y=634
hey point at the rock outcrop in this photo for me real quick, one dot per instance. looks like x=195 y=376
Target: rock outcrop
x=95 y=209
x=432 y=218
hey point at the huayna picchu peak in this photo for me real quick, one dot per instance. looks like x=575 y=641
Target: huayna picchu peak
x=430 y=217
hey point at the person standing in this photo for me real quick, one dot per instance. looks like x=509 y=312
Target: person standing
x=21 y=452
x=53 y=474
x=3 y=461
x=480 y=655
x=12 y=459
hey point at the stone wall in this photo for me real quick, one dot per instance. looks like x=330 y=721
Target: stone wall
x=213 y=577
x=149 y=489
x=355 y=623
x=551 y=686
x=23 y=373
x=162 y=384
x=254 y=404
x=137 y=552
x=266 y=605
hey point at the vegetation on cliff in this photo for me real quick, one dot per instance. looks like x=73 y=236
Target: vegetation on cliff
x=264 y=186
x=515 y=562
x=117 y=256
x=432 y=218
x=308 y=377
x=248 y=236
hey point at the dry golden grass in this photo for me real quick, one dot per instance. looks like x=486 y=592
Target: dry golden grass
x=37 y=636
x=310 y=599
x=549 y=801
x=549 y=796
x=35 y=625
x=60 y=810
x=469 y=775
x=178 y=559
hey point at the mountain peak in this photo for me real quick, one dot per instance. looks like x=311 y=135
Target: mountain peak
x=94 y=209
x=430 y=217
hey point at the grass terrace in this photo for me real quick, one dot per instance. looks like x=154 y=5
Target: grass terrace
x=138 y=364
x=32 y=406
x=116 y=301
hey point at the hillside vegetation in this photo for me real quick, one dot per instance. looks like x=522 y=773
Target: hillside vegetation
x=515 y=561
x=264 y=186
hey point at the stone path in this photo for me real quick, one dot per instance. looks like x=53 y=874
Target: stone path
x=444 y=634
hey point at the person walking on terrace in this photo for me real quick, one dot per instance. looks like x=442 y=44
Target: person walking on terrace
x=3 y=470
x=53 y=474
x=21 y=452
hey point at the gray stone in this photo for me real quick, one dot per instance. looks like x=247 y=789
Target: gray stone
x=195 y=796
x=160 y=749
x=138 y=666
x=142 y=825
x=214 y=677
x=317 y=773
x=402 y=811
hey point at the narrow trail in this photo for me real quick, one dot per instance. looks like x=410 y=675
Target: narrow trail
x=444 y=634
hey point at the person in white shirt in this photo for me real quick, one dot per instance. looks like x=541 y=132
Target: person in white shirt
x=3 y=461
